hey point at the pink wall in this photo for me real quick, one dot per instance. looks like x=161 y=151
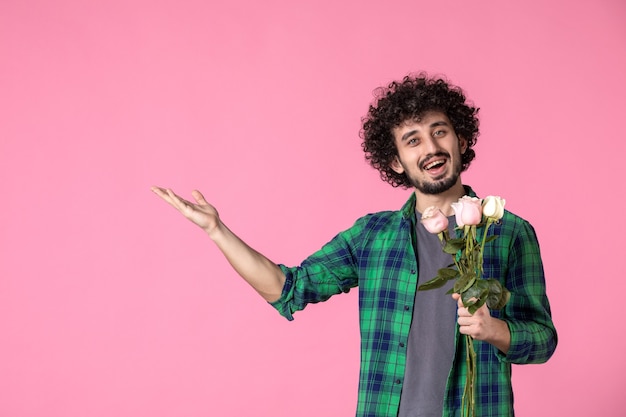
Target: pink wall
x=113 y=305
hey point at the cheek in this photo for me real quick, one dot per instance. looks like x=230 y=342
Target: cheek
x=409 y=160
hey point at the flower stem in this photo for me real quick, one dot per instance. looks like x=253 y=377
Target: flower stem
x=467 y=401
x=482 y=245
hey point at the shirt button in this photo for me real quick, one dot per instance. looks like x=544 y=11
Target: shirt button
x=413 y=271
x=398 y=381
x=406 y=308
x=401 y=344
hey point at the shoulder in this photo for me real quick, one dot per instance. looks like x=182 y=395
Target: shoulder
x=376 y=224
x=385 y=218
x=514 y=228
x=380 y=219
x=382 y=222
x=512 y=222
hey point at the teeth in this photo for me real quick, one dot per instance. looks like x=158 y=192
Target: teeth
x=433 y=164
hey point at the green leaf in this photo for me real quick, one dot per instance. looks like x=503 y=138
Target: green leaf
x=464 y=282
x=436 y=282
x=498 y=295
x=452 y=246
x=443 y=275
x=475 y=296
x=448 y=273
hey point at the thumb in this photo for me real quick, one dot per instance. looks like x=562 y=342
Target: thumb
x=457 y=298
x=197 y=195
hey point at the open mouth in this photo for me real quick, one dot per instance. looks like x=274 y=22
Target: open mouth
x=434 y=164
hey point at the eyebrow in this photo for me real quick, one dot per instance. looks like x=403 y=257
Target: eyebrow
x=412 y=132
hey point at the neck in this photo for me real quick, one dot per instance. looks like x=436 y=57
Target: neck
x=443 y=201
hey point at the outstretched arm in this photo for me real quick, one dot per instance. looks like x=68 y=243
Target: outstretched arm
x=261 y=273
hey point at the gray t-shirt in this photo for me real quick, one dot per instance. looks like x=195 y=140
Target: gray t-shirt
x=430 y=348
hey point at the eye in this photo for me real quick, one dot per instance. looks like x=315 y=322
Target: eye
x=439 y=133
x=412 y=142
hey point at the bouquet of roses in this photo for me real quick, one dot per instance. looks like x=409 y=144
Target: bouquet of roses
x=471 y=214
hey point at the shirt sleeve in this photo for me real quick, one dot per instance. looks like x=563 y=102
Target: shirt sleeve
x=329 y=271
x=528 y=315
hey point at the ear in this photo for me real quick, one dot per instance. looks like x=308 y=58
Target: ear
x=396 y=165
x=463 y=145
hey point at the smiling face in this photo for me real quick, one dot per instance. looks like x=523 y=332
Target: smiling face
x=429 y=153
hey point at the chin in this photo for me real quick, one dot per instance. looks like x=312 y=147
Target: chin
x=436 y=187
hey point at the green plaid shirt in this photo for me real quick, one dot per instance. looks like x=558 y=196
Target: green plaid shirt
x=377 y=254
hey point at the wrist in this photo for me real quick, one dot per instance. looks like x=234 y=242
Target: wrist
x=216 y=232
x=501 y=337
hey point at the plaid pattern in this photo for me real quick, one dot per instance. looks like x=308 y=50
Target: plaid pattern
x=377 y=254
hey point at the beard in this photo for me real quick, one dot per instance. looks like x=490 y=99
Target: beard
x=435 y=187
x=438 y=186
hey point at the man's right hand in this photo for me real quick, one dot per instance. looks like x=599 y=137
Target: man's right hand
x=261 y=273
x=201 y=213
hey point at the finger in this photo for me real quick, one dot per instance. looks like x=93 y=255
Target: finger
x=465 y=329
x=161 y=192
x=457 y=298
x=482 y=311
x=179 y=203
x=197 y=195
x=158 y=190
x=464 y=321
x=463 y=312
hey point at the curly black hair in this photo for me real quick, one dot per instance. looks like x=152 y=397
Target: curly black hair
x=410 y=99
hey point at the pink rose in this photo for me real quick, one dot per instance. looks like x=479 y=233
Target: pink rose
x=434 y=220
x=468 y=211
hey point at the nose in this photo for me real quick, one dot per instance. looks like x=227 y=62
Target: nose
x=431 y=146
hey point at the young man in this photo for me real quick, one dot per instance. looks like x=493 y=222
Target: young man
x=418 y=134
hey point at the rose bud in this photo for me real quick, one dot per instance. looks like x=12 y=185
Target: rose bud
x=493 y=207
x=434 y=220
x=468 y=211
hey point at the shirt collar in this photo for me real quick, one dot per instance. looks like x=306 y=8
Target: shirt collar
x=408 y=209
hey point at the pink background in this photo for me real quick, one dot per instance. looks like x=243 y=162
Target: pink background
x=111 y=304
